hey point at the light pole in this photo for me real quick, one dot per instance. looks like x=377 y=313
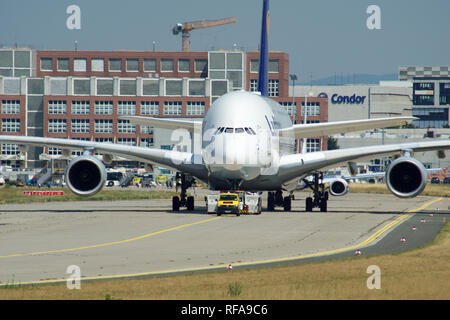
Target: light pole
x=293 y=78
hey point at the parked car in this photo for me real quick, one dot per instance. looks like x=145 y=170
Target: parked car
x=446 y=180
x=435 y=180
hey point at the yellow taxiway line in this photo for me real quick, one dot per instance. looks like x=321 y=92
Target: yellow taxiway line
x=366 y=242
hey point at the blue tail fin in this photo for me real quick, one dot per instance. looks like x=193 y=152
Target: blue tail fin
x=263 y=77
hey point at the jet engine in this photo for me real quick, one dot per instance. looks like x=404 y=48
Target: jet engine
x=338 y=187
x=406 y=177
x=85 y=175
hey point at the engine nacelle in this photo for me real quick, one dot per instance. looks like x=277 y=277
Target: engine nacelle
x=338 y=187
x=85 y=175
x=406 y=177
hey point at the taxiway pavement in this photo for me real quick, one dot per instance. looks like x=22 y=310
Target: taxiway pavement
x=108 y=239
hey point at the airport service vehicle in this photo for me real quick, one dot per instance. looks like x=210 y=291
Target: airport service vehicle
x=228 y=203
x=246 y=141
x=113 y=178
x=250 y=203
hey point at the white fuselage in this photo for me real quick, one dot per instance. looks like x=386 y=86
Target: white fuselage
x=240 y=141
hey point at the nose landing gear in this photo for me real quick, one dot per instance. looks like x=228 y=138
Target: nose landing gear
x=276 y=199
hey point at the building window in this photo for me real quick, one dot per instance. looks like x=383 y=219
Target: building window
x=57 y=125
x=430 y=117
x=81 y=126
x=166 y=65
x=146 y=129
x=54 y=151
x=274 y=66
x=126 y=108
x=274 y=88
x=132 y=65
x=62 y=64
x=150 y=87
x=312 y=145
x=254 y=66
x=11 y=106
x=149 y=108
x=146 y=142
x=10 y=149
x=124 y=126
x=444 y=94
x=82 y=87
x=174 y=87
x=81 y=107
x=150 y=65
x=103 y=126
x=197 y=87
x=201 y=65
x=127 y=87
x=104 y=107
x=313 y=109
x=104 y=140
x=97 y=65
x=195 y=108
x=290 y=109
x=115 y=65
x=184 y=65
x=172 y=108
x=127 y=141
x=79 y=65
x=11 y=125
x=57 y=107
x=253 y=85
x=423 y=93
x=105 y=87
x=46 y=64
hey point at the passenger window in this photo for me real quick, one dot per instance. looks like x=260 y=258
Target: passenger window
x=221 y=129
x=253 y=132
x=247 y=130
x=229 y=130
x=239 y=130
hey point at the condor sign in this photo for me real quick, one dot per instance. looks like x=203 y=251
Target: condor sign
x=354 y=99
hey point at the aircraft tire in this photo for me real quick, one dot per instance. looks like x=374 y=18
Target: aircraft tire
x=175 y=203
x=190 y=203
x=309 y=204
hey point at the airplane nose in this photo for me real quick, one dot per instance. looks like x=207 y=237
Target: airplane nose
x=234 y=157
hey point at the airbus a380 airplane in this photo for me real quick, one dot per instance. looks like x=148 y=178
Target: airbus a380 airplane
x=247 y=142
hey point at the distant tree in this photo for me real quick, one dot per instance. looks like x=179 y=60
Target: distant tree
x=332 y=143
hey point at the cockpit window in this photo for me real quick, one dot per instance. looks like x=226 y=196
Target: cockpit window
x=238 y=130
x=229 y=130
x=250 y=131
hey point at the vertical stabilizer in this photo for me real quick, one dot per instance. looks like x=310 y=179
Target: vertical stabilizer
x=263 y=77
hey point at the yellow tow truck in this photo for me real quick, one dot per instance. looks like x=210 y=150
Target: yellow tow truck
x=231 y=202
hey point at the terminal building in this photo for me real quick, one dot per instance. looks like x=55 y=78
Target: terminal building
x=422 y=92
x=82 y=94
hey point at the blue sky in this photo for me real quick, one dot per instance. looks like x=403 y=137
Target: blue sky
x=322 y=37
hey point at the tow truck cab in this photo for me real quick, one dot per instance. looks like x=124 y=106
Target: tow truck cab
x=228 y=202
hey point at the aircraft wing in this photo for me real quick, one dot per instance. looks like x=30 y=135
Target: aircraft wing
x=327 y=128
x=295 y=165
x=163 y=122
x=179 y=161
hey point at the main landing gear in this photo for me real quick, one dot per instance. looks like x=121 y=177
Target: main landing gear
x=183 y=180
x=276 y=199
x=320 y=195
